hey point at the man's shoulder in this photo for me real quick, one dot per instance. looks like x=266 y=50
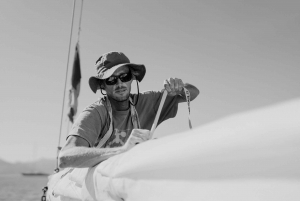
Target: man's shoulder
x=147 y=97
x=150 y=93
x=96 y=107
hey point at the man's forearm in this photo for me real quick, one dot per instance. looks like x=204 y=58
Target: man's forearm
x=86 y=157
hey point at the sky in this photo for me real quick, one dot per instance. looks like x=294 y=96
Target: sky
x=241 y=55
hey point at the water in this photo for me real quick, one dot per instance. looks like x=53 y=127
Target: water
x=21 y=188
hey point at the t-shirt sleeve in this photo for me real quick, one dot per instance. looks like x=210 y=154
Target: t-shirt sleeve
x=148 y=105
x=89 y=125
x=169 y=109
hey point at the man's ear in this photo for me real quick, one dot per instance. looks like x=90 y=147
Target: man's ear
x=133 y=77
x=101 y=84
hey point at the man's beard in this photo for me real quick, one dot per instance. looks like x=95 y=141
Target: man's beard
x=121 y=99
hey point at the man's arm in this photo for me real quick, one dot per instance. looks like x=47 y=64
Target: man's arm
x=77 y=153
x=174 y=86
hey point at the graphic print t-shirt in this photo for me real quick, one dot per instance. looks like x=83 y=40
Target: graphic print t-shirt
x=122 y=128
x=93 y=122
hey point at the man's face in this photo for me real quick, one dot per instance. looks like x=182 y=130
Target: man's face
x=121 y=90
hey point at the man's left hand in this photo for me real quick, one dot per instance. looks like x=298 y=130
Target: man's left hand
x=173 y=86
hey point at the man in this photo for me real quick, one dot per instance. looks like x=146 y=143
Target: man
x=120 y=120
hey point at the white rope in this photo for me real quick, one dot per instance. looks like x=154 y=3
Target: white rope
x=188 y=101
x=158 y=113
x=187 y=96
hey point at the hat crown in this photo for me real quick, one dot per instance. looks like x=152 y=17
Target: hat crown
x=110 y=60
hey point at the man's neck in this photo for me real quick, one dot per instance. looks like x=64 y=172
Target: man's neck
x=119 y=105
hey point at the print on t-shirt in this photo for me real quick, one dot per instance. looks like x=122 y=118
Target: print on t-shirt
x=118 y=138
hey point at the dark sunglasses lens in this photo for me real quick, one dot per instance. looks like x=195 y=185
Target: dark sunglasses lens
x=113 y=80
x=125 y=77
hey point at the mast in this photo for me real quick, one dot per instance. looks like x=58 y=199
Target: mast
x=66 y=76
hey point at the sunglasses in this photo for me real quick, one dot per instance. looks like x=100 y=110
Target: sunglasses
x=125 y=77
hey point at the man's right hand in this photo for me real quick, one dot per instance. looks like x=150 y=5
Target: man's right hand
x=137 y=136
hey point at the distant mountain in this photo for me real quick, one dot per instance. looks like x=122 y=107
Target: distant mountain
x=42 y=165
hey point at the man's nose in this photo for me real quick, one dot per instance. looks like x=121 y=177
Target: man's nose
x=119 y=81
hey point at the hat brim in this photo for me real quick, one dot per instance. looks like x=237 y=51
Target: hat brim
x=138 y=70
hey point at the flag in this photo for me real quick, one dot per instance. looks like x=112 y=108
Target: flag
x=75 y=86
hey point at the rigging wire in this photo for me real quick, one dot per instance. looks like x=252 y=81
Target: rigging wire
x=79 y=28
x=66 y=76
x=63 y=104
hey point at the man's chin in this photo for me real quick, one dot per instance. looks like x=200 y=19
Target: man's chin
x=121 y=98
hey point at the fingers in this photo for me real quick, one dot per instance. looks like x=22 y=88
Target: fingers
x=176 y=85
x=167 y=86
x=136 y=140
x=141 y=137
x=142 y=134
x=180 y=85
x=137 y=136
x=173 y=86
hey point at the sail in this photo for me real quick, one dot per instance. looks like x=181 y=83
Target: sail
x=248 y=156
